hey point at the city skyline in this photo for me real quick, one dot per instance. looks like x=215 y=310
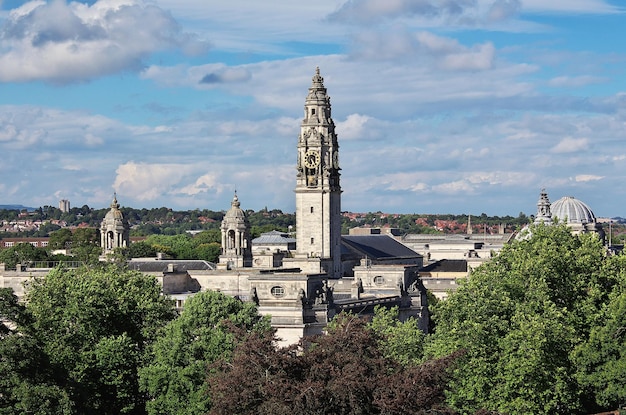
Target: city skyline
x=462 y=107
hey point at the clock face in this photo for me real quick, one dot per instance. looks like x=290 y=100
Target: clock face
x=336 y=159
x=312 y=159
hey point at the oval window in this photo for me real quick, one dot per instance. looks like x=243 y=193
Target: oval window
x=379 y=280
x=278 y=291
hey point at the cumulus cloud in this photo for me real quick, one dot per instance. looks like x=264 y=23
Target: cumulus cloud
x=61 y=42
x=353 y=126
x=148 y=181
x=571 y=145
x=202 y=185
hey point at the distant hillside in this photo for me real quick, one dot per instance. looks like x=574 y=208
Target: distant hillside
x=16 y=207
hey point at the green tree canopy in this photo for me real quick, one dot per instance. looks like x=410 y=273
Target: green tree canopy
x=60 y=239
x=175 y=379
x=519 y=317
x=22 y=253
x=82 y=340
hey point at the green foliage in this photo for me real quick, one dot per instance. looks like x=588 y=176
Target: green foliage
x=60 y=239
x=79 y=342
x=180 y=246
x=208 y=237
x=601 y=358
x=208 y=252
x=518 y=319
x=401 y=341
x=22 y=253
x=175 y=379
x=184 y=246
x=85 y=247
x=141 y=249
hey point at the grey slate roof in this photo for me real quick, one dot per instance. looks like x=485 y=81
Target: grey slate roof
x=273 y=237
x=378 y=246
x=446 y=265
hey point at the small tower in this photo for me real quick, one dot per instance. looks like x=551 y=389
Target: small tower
x=236 y=246
x=543 y=209
x=114 y=230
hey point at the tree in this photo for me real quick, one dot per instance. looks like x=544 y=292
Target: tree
x=208 y=252
x=518 y=319
x=85 y=245
x=175 y=379
x=25 y=372
x=343 y=372
x=22 y=253
x=141 y=249
x=401 y=341
x=85 y=336
x=601 y=358
x=60 y=239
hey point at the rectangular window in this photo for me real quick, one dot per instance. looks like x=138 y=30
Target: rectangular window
x=312 y=241
x=311 y=209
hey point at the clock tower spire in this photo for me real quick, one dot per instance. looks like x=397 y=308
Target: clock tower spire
x=318 y=193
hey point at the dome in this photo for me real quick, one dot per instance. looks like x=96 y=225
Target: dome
x=235 y=211
x=572 y=210
x=114 y=214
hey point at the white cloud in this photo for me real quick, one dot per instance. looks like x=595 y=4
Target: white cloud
x=353 y=127
x=480 y=57
x=587 y=178
x=203 y=184
x=452 y=11
x=146 y=182
x=571 y=6
x=575 y=81
x=64 y=43
x=455 y=187
x=92 y=140
x=571 y=145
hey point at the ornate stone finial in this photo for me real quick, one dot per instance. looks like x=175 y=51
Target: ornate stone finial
x=317 y=78
x=235 y=203
x=114 y=204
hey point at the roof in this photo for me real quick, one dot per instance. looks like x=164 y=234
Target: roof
x=273 y=237
x=378 y=246
x=572 y=210
x=446 y=265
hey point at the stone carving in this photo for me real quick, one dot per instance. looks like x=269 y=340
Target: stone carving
x=302 y=297
x=253 y=296
x=324 y=294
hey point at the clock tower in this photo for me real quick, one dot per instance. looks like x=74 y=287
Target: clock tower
x=318 y=193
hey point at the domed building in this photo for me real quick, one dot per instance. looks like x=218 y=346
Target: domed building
x=575 y=213
x=114 y=230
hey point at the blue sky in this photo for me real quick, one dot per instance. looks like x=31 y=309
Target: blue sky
x=441 y=106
